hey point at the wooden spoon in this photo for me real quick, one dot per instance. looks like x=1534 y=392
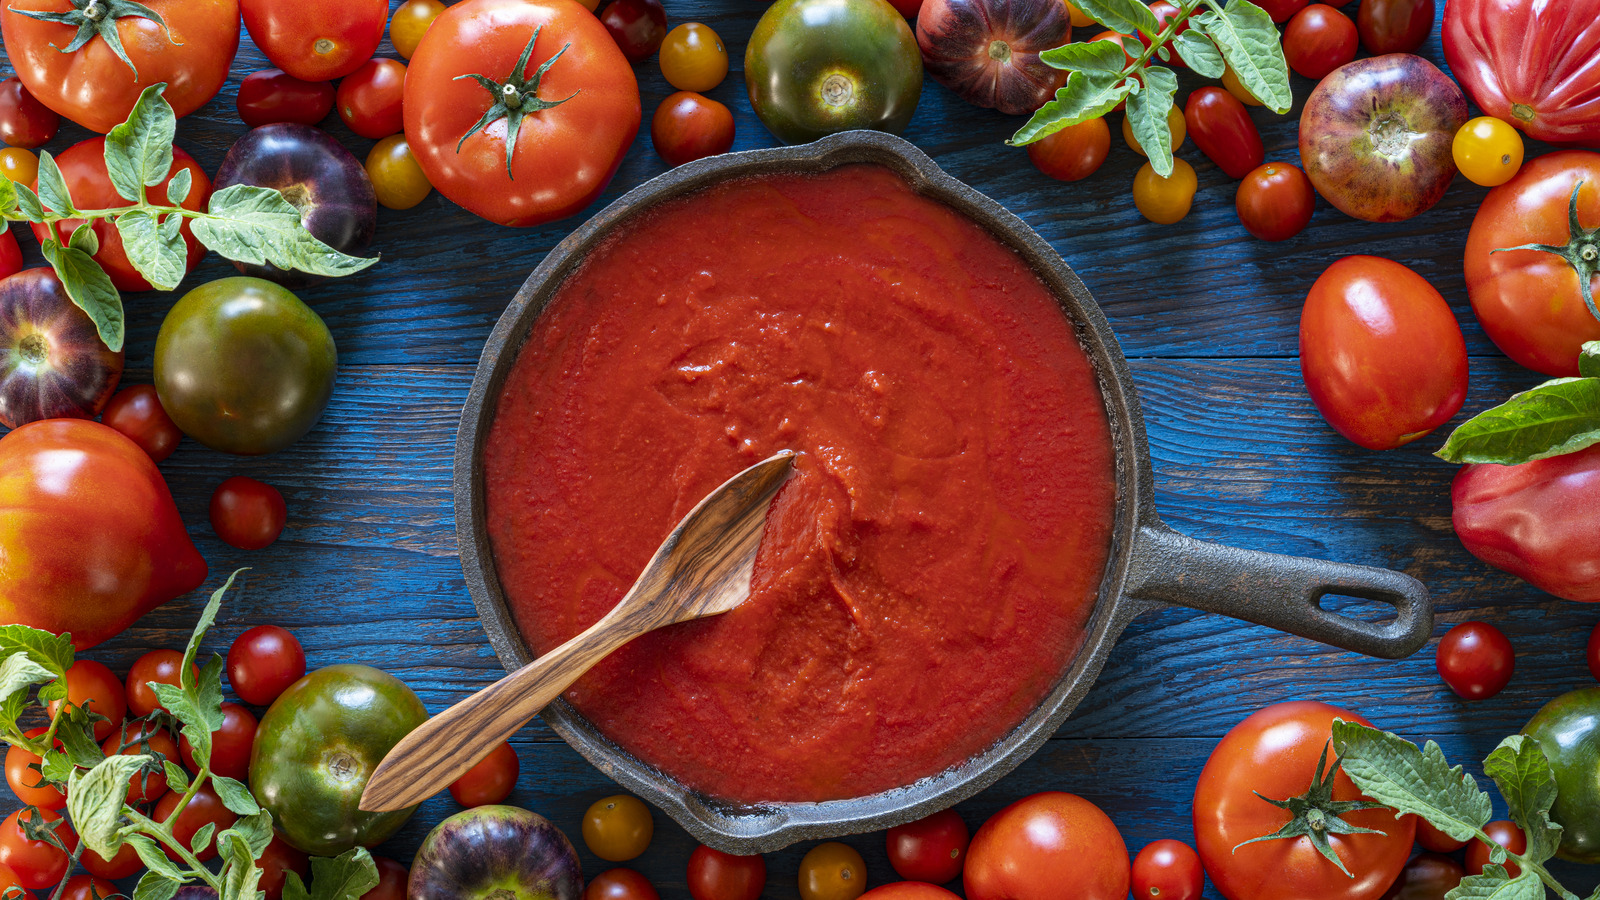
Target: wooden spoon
x=701 y=569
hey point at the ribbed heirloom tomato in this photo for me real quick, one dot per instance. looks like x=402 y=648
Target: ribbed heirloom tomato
x=539 y=127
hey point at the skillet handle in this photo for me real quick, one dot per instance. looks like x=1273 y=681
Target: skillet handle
x=1279 y=591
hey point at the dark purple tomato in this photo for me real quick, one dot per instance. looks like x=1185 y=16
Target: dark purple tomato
x=1428 y=876
x=52 y=361
x=638 y=26
x=688 y=126
x=987 y=51
x=271 y=96
x=1476 y=660
x=136 y=412
x=328 y=185
x=495 y=849
x=24 y=121
x=1394 y=26
x=1221 y=127
x=1318 y=40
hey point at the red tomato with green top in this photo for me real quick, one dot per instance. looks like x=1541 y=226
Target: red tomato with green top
x=37 y=864
x=567 y=146
x=1045 y=847
x=1220 y=126
x=10 y=880
x=189 y=51
x=26 y=779
x=93 y=686
x=316 y=41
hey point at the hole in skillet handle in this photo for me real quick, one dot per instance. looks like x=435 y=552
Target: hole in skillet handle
x=1365 y=609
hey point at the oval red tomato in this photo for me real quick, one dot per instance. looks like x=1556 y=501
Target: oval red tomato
x=1275 y=201
x=1275 y=752
x=316 y=41
x=1220 y=126
x=95 y=88
x=124 y=864
x=24 y=121
x=158 y=667
x=931 y=849
x=143 y=738
x=10 y=251
x=83 y=165
x=1318 y=40
x=1530 y=63
x=370 y=98
x=687 y=126
x=1044 y=847
x=280 y=858
x=564 y=153
x=247 y=513
x=714 y=875
x=1381 y=353
x=273 y=95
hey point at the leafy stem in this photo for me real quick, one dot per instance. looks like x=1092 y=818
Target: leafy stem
x=162 y=833
x=1161 y=38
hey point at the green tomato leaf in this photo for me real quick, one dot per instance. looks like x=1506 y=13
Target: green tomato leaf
x=345 y=877
x=94 y=800
x=1560 y=416
x=1494 y=885
x=208 y=617
x=257 y=225
x=177 y=778
x=11 y=710
x=1200 y=53
x=28 y=203
x=1085 y=96
x=83 y=238
x=53 y=187
x=1523 y=773
x=52 y=651
x=235 y=796
x=155 y=886
x=1147 y=116
x=162 y=260
x=139 y=151
x=1091 y=56
x=293 y=887
x=155 y=858
x=1394 y=772
x=1122 y=16
x=256 y=829
x=18 y=673
x=202 y=837
x=90 y=288
x=240 y=875
x=75 y=732
x=178 y=188
x=8 y=198
x=1589 y=360
x=1250 y=42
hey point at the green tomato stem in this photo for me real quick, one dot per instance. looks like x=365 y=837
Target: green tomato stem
x=1185 y=10
x=1527 y=865
x=161 y=833
x=77 y=853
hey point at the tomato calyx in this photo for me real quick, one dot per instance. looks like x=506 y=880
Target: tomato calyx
x=1315 y=814
x=99 y=17
x=1582 y=250
x=515 y=98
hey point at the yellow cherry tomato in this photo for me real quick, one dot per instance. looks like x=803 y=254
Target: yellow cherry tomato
x=693 y=58
x=618 y=828
x=1175 y=127
x=1164 y=200
x=832 y=871
x=396 y=178
x=1487 y=151
x=1231 y=82
x=1079 y=19
x=19 y=165
x=410 y=21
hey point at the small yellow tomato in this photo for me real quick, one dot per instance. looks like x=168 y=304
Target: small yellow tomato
x=1164 y=200
x=832 y=871
x=396 y=178
x=693 y=58
x=409 y=23
x=618 y=828
x=1231 y=82
x=1488 y=151
x=1079 y=18
x=19 y=165
x=1175 y=127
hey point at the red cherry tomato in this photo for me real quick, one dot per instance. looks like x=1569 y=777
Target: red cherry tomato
x=931 y=849
x=1476 y=660
x=10 y=251
x=9 y=880
x=1504 y=833
x=136 y=412
x=273 y=95
x=370 y=98
x=24 y=121
x=316 y=41
x=1220 y=126
x=87 y=887
x=688 y=126
x=96 y=688
x=1045 y=847
x=37 y=864
x=1167 y=870
x=1394 y=26
x=28 y=782
x=620 y=884
x=140 y=738
x=714 y=875
x=1433 y=839
x=1381 y=353
x=392 y=879
x=1318 y=40
x=230 y=744
x=1275 y=201
x=205 y=806
x=638 y=26
x=279 y=858
x=125 y=863
x=1073 y=153
x=908 y=890
x=247 y=513
x=263 y=662
x=1282 y=10
x=160 y=666
x=489 y=781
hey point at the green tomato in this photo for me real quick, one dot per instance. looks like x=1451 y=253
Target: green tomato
x=243 y=366
x=317 y=746
x=816 y=67
x=1568 y=731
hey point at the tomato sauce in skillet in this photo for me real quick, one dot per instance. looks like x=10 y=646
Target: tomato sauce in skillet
x=927 y=573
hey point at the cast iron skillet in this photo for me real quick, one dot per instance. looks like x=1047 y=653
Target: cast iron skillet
x=1150 y=565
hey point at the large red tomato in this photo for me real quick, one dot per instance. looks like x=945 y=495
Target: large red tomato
x=84 y=167
x=1529 y=301
x=1044 y=847
x=317 y=41
x=92 y=85
x=576 y=99
x=909 y=890
x=1530 y=62
x=1275 y=752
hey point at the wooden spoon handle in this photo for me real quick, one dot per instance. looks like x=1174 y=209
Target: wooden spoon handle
x=441 y=749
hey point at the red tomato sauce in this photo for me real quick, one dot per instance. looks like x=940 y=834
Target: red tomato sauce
x=925 y=575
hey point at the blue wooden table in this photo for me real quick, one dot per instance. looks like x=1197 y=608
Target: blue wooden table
x=367 y=570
